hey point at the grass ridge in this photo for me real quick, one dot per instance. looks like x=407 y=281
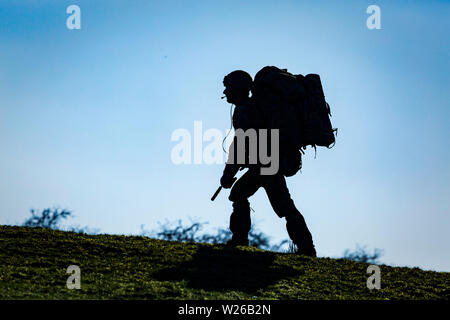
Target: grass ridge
x=33 y=264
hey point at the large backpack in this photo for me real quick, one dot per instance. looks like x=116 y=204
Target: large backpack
x=294 y=104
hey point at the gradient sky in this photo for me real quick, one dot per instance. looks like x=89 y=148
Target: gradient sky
x=86 y=116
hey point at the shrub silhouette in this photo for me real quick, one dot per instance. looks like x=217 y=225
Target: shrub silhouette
x=190 y=233
x=47 y=218
x=360 y=254
x=50 y=218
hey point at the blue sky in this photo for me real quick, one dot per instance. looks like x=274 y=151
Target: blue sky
x=86 y=116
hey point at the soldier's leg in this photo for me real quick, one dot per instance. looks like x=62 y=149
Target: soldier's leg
x=284 y=206
x=240 y=221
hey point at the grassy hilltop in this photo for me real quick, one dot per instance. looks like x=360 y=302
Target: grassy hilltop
x=33 y=264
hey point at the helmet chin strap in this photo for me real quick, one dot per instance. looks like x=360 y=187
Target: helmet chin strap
x=231 y=126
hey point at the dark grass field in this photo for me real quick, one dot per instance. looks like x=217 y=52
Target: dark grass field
x=33 y=264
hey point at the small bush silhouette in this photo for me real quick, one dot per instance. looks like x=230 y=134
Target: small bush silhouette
x=179 y=232
x=47 y=218
x=50 y=218
x=360 y=254
x=182 y=233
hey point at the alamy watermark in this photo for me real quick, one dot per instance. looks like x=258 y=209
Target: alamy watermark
x=374 y=20
x=374 y=281
x=74 y=20
x=190 y=149
x=74 y=280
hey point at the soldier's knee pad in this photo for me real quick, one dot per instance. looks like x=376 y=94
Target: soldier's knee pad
x=284 y=208
x=236 y=196
x=241 y=205
x=296 y=222
x=297 y=229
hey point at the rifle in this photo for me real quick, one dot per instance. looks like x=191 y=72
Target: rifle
x=216 y=193
x=218 y=190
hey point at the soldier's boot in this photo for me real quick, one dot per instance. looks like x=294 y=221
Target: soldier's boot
x=240 y=223
x=299 y=234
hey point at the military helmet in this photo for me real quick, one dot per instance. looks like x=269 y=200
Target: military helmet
x=238 y=79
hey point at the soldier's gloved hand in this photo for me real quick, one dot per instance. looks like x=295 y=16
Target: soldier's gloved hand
x=226 y=181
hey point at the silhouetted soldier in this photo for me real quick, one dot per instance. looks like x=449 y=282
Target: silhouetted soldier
x=237 y=88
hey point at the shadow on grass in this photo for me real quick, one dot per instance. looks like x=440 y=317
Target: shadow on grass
x=225 y=268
